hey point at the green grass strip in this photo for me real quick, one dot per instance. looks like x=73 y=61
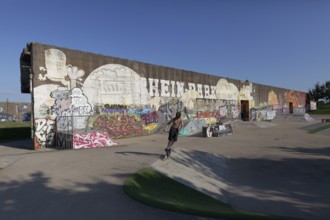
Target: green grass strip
x=15 y=124
x=157 y=190
x=319 y=129
x=320 y=112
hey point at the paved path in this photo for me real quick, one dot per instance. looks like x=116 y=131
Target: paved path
x=276 y=169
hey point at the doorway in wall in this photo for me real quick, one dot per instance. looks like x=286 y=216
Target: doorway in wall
x=291 y=107
x=245 y=110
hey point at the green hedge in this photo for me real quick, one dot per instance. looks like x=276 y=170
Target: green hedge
x=15 y=133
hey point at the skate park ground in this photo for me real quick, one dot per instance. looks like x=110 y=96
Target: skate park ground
x=270 y=167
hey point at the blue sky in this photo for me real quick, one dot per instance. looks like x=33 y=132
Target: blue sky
x=283 y=43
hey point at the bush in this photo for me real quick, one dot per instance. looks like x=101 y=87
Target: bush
x=10 y=133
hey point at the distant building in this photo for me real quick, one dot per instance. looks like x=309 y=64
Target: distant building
x=85 y=100
x=14 y=111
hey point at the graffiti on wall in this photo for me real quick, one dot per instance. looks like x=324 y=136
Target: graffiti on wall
x=299 y=111
x=221 y=109
x=272 y=98
x=72 y=109
x=280 y=102
x=263 y=114
x=290 y=97
x=116 y=84
x=267 y=111
x=207 y=108
x=150 y=121
x=194 y=126
x=189 y=100
x=57 y=70
x=63 y=140
x=118 y=126
x=229 y=109
x=245 y=92
x=301 y=99
x=44 y=132
x=279 y=109
x=226 y=90
x=62 y=101
x=92 y=140
x=170 y=108
x=108 y=109
x=114 y=101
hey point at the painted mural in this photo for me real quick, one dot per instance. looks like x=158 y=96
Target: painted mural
x=226 y=90
x=75 y=108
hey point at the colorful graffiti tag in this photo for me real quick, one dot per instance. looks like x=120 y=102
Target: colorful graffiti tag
x=120 y=125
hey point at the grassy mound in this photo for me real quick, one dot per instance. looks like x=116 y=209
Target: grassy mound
x=157 y=190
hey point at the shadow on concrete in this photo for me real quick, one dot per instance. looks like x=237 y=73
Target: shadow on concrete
x=310 y=151
x=294 y=187
x=34 y=197
x=312 y=126
x=26 y=144
x=198 y=134
x=128 y=153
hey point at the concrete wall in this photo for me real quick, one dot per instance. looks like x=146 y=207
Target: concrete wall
x=83 y=100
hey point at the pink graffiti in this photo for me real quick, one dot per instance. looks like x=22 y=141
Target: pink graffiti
x=92 y=140
x=223 y=111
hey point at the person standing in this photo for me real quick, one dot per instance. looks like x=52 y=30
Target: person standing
x=177 y=125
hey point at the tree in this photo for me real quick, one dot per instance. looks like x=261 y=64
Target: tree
x=316 y=92
x=320 y=91
x=327 y=89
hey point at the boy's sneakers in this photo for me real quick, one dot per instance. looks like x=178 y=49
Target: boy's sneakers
x=168 y=152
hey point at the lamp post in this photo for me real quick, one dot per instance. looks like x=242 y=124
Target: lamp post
x=7 y=110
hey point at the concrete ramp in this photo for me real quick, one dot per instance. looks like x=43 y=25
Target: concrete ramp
x=202 y=171
x=293 y=187
x=308 y=117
